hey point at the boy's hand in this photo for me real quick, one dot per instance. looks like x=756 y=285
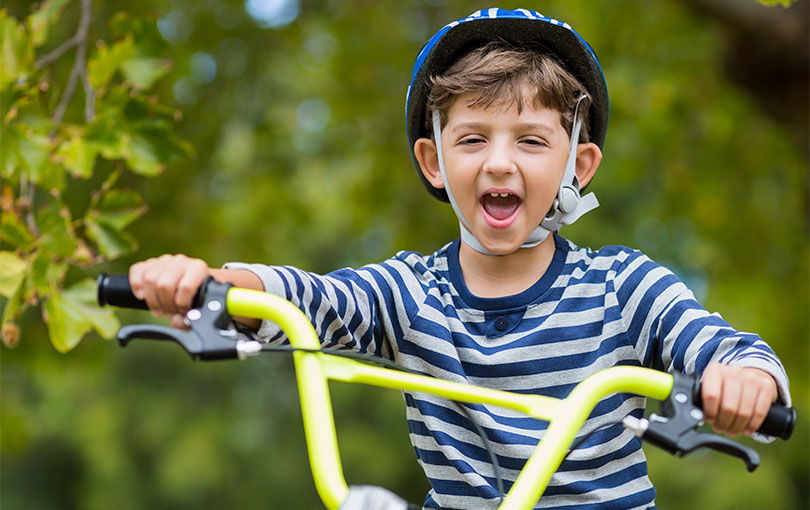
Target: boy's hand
x=736 y=399
x=168 y=284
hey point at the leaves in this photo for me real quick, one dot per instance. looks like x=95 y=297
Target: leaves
x=12 y=273
x=14 y=232
x=152 y=145
x=40 y=21
x=110 y=242
x=118 y=209
x=16 y=51
x=56 y=230
x=108 y=59
x=78 y=156
x=144 y=72
x=43 y=152
x=34 y=153
x=72 y=313
x=43 y=272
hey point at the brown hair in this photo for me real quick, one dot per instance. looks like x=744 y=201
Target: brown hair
x=498 y=74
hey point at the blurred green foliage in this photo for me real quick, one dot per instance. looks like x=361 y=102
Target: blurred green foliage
x=43 y=153
x=296 y=116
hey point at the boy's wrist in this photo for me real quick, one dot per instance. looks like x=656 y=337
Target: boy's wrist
x=241 y=278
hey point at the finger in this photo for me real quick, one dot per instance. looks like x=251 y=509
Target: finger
x=710 y=390
x=149 y=274
x=136 y=280
x=748 y=399
x=761 y=408
x=195 y=274
x=166 y=284
x=178 y=321
x=729 y=404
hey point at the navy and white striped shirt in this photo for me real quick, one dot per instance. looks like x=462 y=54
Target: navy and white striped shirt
x=591 y=310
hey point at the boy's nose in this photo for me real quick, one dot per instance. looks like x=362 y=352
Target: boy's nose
x=499 y=161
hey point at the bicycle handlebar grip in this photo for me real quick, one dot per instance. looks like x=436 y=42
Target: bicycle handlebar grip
x=779 y=422
x=114 y=290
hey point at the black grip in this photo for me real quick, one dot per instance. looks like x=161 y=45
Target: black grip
x=779 y=422
x=114 y=290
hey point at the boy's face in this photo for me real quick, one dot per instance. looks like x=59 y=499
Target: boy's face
x=503 y=168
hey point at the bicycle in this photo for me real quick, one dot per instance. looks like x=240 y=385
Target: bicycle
x=213 y=336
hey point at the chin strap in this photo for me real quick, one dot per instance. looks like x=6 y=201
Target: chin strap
x=568 y=207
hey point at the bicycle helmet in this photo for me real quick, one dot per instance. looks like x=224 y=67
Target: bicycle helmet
x=520 y=28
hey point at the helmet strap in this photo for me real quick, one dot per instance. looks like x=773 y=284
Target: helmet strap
x=568 y=205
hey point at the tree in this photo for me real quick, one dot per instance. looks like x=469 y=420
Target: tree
x=48 y=147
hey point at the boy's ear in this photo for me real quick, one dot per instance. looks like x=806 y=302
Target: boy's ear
x=589 y=155
x=428 y=158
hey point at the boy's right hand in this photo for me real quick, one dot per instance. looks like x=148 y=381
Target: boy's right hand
x=168 y=284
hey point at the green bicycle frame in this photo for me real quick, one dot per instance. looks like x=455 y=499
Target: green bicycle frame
x=314 y=370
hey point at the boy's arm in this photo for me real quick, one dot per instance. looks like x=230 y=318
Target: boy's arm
x=349 y=308
x=673 y=331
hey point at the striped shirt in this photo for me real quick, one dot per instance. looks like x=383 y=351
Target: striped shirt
x=590 y=310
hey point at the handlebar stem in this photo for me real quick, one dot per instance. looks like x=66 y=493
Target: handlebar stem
x=573 y=412
x=316 y=406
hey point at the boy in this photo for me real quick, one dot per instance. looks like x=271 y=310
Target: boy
x=507 y=113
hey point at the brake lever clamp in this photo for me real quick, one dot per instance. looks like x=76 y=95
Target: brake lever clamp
x=675 y=430
x=212 y=335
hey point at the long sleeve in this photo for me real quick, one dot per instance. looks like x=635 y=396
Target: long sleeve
x=672 y=331
x=352 y=309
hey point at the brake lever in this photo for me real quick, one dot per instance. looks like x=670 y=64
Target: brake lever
x=212 y=335
x=675 y=430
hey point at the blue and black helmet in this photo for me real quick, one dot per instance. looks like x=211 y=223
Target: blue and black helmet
x=522 y=28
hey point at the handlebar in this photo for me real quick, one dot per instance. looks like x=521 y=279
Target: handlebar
x=213 y=337
x=114 y=290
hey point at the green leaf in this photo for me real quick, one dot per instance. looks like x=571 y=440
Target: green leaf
x=108 y=59
x=16 y=52
x=143 y=72
x=78 y=157
x=118 y=209
x=44 y=272
x=110 y=242
x=153 y=144
x=143 y=29
x=58 y=237
x=9 y=153
x=14 y=232
x=12 y=98
x=34 y=151
x=144 y=159
x=40 y=22
x=83 y=295
x=106 y=134
x=72 y=313
x=66 y=326
x=12 y=307
x=12 y=273
x=141 y=108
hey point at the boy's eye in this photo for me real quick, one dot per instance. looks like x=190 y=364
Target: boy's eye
x=534 y=142
x=470 y=140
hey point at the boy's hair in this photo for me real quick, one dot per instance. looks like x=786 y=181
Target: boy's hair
x=498 y=74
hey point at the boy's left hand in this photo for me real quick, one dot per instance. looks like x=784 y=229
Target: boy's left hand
x=736 y=399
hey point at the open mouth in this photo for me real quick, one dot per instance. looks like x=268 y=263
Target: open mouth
x=500 y=207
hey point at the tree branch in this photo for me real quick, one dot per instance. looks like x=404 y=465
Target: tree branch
x=51 y=57
x=79 y=68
